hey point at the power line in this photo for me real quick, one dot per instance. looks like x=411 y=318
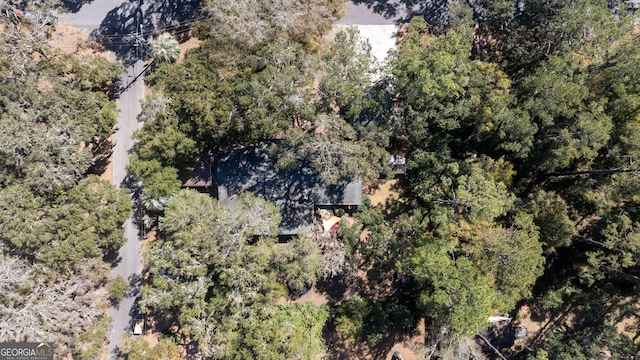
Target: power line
x=117 y=37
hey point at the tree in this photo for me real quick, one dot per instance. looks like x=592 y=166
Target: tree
x=91 y=341
x=139 y=349
x=57 y=221
x=550 y=215
x=84 y=72
x=38 y=303
x=299 y=262
x=349 y=317
x=165 y=48
x=334 y=151
x=471 y=252
x=447 y=102
x=118 y=288
x=209 y=272
x=523 y=37
x=284 y=332
x=349 y=73
x=80 y=224
x=54 y=124
x=431 y=83
x=235 y=28
x=572 y=127
x=457 y=295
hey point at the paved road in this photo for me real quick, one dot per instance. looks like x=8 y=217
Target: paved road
x=92 y=16
x=129 y=265
x=360 y=14
x=376 y=27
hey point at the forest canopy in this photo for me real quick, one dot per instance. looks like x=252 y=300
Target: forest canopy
x=58 y=218
x=518 y=122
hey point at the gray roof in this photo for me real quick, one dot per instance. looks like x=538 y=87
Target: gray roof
x=295 y=192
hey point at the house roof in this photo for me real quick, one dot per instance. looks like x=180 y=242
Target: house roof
x=200 y=177
x=295 y=192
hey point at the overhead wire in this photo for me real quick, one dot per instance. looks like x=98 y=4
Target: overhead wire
x=119 y=39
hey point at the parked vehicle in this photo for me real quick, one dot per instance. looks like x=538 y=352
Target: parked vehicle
x=139 y=324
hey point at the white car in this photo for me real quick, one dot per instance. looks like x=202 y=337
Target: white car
x=138 y=324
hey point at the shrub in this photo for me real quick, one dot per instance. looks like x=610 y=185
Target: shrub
x=349 y=317
x=117 y=289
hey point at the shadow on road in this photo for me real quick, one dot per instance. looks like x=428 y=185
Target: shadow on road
x=112 y=258
x=73 y=6
x=434 y=11
x=126 y=29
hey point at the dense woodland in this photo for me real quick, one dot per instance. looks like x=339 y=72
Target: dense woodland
x=57 y=217
x=519 y=122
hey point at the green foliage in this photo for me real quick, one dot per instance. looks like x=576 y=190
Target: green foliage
x=602 y=346
x=358 y=317
x=299 y=261
x=165 y=48
x=139 y=349
x=432 y=81
x=241 y=110
x=473 y=255
x=448 y=102
x=382 y=246
x=349 y=317
x=117 y=288
x=543 y=28
x=572 y=127
x=90 y=343
x=86 y=72
x=540 y=355
x=82 y=223
x=349 y=72
x=335 y=151
x=519 y=262
x=550 y=215
x=350 y=236
x=478 y=196
x=53 y=116
x=283 y=332
x=206 y=258
x=458 y=296
x=196 y=107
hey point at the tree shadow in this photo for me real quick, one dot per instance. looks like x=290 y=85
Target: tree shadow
x=435 y=12
x=126 y=29
x=73 y=6
x=119 y=30
x=386 y=323
x=116 y=353
x=391 y=317
x=112 y=258
x=101 y=158
x=135 y=283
